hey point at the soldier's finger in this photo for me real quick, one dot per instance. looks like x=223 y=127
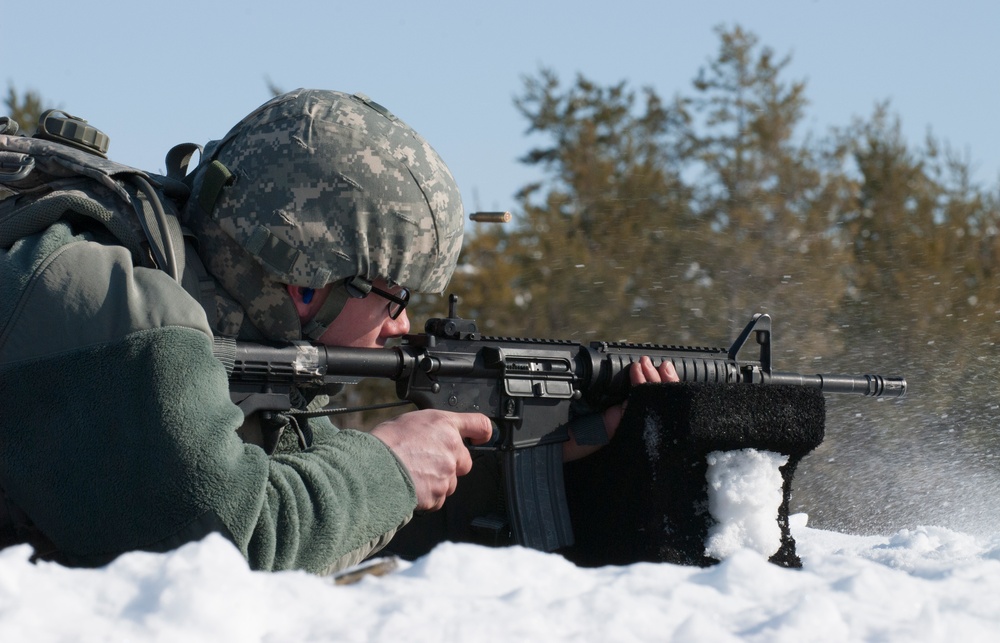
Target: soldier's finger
x=475 y=427
x=667 y=372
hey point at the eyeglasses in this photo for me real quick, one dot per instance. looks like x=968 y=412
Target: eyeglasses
x=397 y=303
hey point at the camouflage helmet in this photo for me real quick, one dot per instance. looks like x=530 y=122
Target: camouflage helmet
x=322 y=187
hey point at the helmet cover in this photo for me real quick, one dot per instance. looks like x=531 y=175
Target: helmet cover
x=328 y=187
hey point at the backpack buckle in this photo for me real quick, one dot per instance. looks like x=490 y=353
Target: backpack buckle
x=15 y=166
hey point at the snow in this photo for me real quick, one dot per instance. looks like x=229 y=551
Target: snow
x=921 y=584
x=924 y=584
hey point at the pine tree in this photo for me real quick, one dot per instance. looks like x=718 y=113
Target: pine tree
x=24 y=109
x=766 y=197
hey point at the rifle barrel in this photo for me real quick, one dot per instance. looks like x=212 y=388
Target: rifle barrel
x=867 y=385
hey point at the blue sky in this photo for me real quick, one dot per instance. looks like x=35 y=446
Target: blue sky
x=152 y=77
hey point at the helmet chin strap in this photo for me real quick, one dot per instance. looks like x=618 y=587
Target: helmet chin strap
x=353 y=288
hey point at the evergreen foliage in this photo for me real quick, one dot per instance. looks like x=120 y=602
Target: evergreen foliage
x=24 y=108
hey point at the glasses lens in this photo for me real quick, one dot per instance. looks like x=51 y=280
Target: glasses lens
x=397 y=303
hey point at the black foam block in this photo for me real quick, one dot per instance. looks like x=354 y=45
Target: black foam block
x=644 y=497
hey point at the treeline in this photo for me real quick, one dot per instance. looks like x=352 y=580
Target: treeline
x=673 y=220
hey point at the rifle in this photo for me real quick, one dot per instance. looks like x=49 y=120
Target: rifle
x=530 y=388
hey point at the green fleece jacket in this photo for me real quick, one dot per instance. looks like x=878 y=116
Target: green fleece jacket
x=117 y=431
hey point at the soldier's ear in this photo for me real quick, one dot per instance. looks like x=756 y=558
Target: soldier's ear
x=307 y=301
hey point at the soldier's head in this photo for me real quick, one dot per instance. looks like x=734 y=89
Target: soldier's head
x=328 y=192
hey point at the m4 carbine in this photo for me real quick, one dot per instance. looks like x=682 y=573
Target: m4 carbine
x=532 y=389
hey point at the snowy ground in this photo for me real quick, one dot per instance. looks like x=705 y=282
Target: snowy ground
x=924 y=584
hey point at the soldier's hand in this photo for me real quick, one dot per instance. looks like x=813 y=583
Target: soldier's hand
x=430 y=445
x=641 y=372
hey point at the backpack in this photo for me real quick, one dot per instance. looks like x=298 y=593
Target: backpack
x=63 y=172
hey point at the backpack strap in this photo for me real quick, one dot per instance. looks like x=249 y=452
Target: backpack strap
x=179 y=158
x=160 y=231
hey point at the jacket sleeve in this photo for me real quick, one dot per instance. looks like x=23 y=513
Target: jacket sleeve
x=119 y=433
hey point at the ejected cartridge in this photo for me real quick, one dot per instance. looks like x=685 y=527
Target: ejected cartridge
x=490 y=217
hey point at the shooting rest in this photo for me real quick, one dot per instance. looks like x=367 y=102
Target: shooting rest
x=644 y=497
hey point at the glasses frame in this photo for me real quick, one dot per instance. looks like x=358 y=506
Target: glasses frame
x=397 y=303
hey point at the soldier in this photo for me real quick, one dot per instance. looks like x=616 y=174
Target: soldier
x=315 y=217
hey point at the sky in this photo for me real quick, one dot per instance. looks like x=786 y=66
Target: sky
x=153 y=77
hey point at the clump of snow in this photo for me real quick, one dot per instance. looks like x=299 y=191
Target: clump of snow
x=744 y=495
